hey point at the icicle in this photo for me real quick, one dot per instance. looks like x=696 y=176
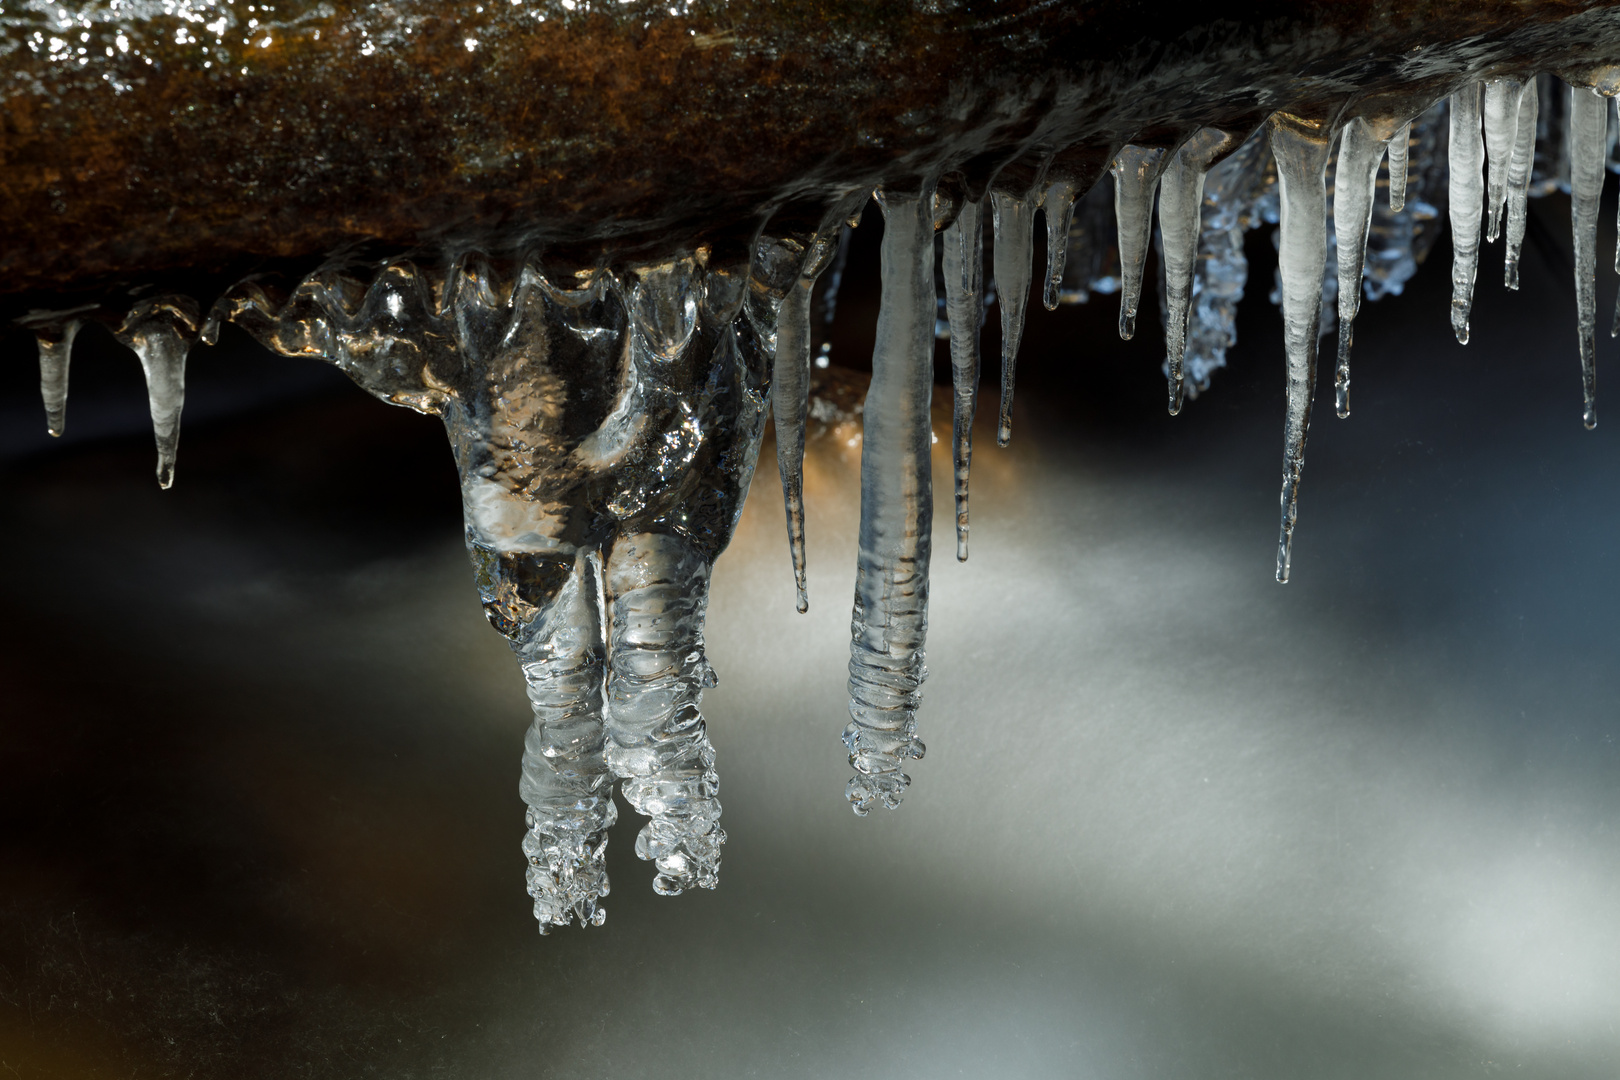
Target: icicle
x=1136 y=177
x=1355 y=186
x=1181 y=204
x=1301 y=149
x=1013 y=218
x=565 y=783
x=1502 y=101
x=890 y=619
x=1058 y=210
x=1518 y=182
x=54 y=333
x=1467 y=204
x=161 y=331
x=658 y=588
x=1588 y=146
x=790 y=392
x=1397 y=168
x=964 y=305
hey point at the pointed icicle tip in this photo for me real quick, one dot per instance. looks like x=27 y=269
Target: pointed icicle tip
x=1013 y=218
x=1181 y=205
x=1136 y=172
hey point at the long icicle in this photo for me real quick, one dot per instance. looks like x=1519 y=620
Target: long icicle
x=890 y=620
x=161 y=331
x=1502 y=99
x=1520 y=168
x=1013 y=217
x=1467 y=204
x=1355 y=186
x=1136 y=172
x=790 y=390
x=964 y=306
x=1181 y=205
x=1588 y=147
x=1398 y=147
x=1301 y=149
x=1058 y=210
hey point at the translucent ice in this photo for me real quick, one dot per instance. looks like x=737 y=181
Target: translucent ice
x=1588 y=147
x=963 y=265
x=1058 y=209
x=1361 y=147
x=1467 y=203
x=1398 y=168
x=161 y=331
x=890 y=620
x=54 y=332
x=1301 y=150
x=1503 y=98
x=1013 y=218
x=1518 y=181
x=1136 y=177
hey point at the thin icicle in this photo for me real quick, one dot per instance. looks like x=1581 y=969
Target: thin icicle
x=1397 y=168
x=1588 y=147
x=1013 y=218
x=790 y=392
x=161 y=331
x=1467 y=204
x=1518 y=183
x=1058 y=210
x=55 y=341
x=1136 y=177
x=1301 y=149
x=1502 y=101
x=890 y=620
x=1355 y=186
x=964 y=306
x=1181 y=204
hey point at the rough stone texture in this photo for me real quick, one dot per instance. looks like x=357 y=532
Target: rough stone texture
x=187 y=136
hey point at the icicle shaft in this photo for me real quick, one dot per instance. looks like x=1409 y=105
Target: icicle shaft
x=55 y=353
x=1519 y=171
x=1136 y=177
x=1301 y=150
x=1398 y=147
x=1014 y=222
x=890 y=619
x=1502 y=100
x=1181 y=203
x=1467 y=151
x=964 y=306
x=1588 y=147
x=161 y=332
x=1058 y=210
x=1355 y=185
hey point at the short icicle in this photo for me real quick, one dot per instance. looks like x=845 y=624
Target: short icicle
x=1355 y=186
x=790 y=392
x=1502 y=101
x=1398 y=147
x=1013 y=218
x=55 y=340
x=1588 y=147
x=1181 y=204
x=1467 y=203
x=1136 y=172
x=963 y=267
x=1058 y=210
x=1520 y=168
x=161 y=331
x=890 y=620
x=1301 y=149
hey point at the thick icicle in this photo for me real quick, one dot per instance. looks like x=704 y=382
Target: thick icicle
x=1467 y=203
x=890 y=620
x=964 y=305
x=1502 y=100
x=1301 y=149
x=1013 y=218
x=1181 y=204
x=1397 y=168
x=1518 y=183
x=1355 y=184
x=565 y=782
x=161 y=331
x=54 y=333
x=1058 y=210
x=1136 y=177
x=1588 y=147
x=790 y=391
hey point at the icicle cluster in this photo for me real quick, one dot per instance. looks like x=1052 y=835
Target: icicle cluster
x=606 y=424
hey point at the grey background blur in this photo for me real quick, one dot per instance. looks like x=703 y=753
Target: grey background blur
x=259 y=749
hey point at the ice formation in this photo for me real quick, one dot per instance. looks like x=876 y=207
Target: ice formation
x=606 y=418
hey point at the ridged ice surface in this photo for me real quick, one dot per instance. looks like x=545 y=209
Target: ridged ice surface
x=606 y=419
x=890 y=621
